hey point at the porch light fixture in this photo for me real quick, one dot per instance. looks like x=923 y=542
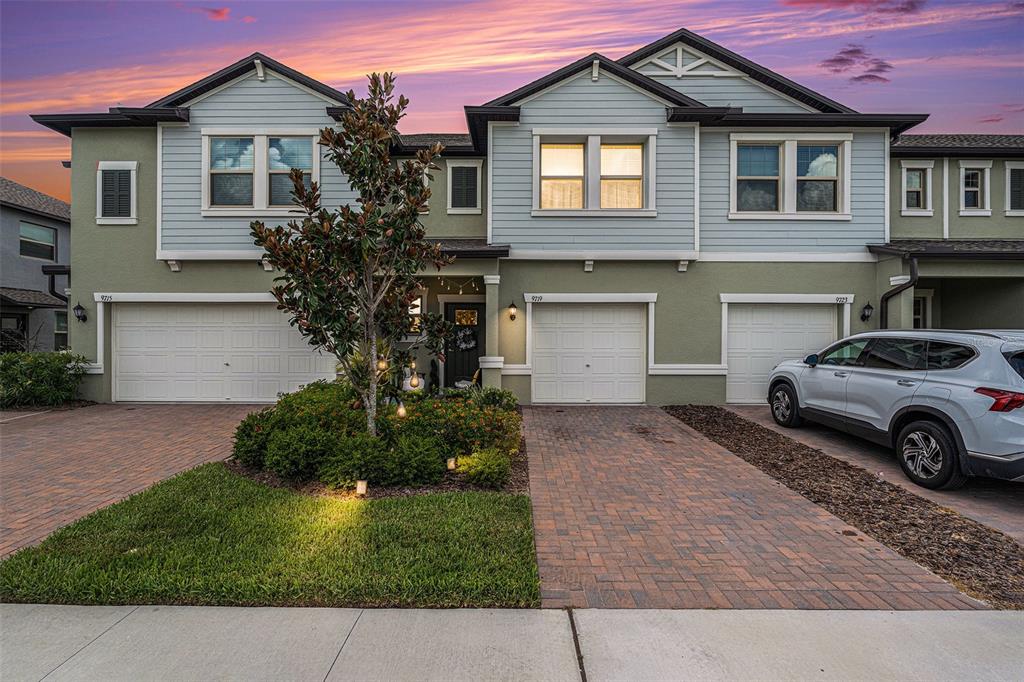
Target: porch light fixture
x=79 y=312
x=866 y=312
x=512 y=310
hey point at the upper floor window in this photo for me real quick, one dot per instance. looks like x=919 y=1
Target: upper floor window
x=916 y=187
x=37 y=241
x=464 y=186
x=594 y=172
x=974 y=188
x=249 y=174
x=794 y=176
x=116 y=199
x=1015 y=188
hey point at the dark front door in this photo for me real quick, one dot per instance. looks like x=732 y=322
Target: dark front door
x=463 y=350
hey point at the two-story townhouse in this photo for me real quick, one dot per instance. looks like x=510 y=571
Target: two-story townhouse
x=35 y=245
x=661 y=228
x=958 y=228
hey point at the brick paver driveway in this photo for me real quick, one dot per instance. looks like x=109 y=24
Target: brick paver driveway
x=634 y=509
x=998 y=504
x=59 y=466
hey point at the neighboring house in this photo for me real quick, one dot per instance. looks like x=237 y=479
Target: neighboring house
x=661 y=228
x=958 y=213
x=35 y=233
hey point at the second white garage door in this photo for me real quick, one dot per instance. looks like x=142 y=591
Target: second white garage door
x=242 y=352
x=763 y=334
x=588 y=353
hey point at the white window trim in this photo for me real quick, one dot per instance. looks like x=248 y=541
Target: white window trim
x=466 y=163
x=1008 y=166
x=132 y=166
x=927 y=166
x=592 y=173
x=788 y=143
x=986 y=190
x=260 y=171
x=56 y=237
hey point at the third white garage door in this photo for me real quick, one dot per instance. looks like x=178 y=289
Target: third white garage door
x=763 y=334
x=242 y=352
x=588 y=352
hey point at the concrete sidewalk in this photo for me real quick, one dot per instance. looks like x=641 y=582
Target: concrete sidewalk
x=202 y=643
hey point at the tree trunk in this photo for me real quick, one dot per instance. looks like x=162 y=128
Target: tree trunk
x=371 y=398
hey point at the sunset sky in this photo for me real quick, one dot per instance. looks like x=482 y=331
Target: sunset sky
x=960 y=61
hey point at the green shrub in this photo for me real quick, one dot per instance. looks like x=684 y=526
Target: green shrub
x=490 y=396
x=251 y=437
x=297 y=452
x=488 y=468
x=459 y=425
x=39 y=379
x=361 y=456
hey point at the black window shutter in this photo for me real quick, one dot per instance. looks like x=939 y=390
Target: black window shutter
x=116 y=194
x=1016 y=189
x=464 y=179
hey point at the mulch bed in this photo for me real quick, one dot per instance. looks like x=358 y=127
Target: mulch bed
x=979 y=560
x=518 y=482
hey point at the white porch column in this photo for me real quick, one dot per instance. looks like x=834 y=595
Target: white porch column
x=491 y=363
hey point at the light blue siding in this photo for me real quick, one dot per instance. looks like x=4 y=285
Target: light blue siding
x=248 y=103
x=583 y=102
x=867 y=205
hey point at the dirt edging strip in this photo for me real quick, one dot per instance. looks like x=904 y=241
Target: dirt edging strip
x=981 y=561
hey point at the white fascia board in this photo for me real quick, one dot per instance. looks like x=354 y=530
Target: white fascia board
x=786 y=298
x=543 y=254
x=590 y=298
x=167 y=254
x=787 y=257
x=171 y=297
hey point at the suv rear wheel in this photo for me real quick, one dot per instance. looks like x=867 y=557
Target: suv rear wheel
x=785 y=410
x=928 y=457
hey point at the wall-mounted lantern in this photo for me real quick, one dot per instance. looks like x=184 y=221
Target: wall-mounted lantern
x=80 y=313
x=512 y=310
x=866 y=312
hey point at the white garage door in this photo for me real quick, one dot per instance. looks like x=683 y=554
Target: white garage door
x=243 y=352
x=763 y=334
x=588 y=353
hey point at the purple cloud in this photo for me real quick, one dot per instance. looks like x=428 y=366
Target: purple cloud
x=865 y=6
x=996 y=118
x=855 y=57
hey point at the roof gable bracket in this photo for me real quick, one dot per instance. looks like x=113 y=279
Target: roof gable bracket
x=595 y=70
x=260 y=74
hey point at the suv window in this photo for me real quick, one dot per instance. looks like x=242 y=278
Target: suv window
x=942 y=355
x=896 y=354
x=1016 y=361
x=845 y=354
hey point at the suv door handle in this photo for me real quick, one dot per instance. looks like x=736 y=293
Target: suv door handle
x=906 y=382
x=840 y=374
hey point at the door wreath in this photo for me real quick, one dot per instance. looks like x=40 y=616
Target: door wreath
x=465 y=339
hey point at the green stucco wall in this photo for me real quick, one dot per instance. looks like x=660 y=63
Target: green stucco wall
x=440 y=223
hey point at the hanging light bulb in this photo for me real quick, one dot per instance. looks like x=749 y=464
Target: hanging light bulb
x=412 y=364
x=382 y=363
x=401 y=410
x=414 y=380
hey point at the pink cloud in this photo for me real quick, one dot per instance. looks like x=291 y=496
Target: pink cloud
x=991 y=119
x=248 y=19
x=212 y=13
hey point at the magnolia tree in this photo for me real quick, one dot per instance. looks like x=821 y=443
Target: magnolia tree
x=348 y=276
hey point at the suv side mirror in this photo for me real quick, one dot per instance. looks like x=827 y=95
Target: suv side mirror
x=811 y=359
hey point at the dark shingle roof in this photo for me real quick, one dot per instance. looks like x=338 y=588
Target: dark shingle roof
x=31 y=297
x=961 y=140
x=20 y=196
x=471 y=248
x=954 y=248
x=447 y=139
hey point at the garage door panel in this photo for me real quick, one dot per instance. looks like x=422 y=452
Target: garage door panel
x=215 y=352
x=588 y=353
x=762 y=335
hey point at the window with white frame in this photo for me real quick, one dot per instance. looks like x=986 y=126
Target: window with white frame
x=249 y=172
x=975 y=188
x=37 y=241
x=116 y=200
x=795 y=175
x=916 y=184
x=1015 y=188
x=594 y=172
x=464 y=186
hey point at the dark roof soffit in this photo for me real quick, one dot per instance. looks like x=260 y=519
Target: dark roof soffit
x=242 y=66
x=897 y=123
x=478 y=117
x=630 y=76
x=117 y=117
x=755 y=71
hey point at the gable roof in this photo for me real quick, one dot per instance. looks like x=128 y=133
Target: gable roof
x=742 y=64
x=239 y=68
x=614 y=68
x=33 y=201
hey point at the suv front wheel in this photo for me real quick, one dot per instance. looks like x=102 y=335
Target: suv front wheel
x=928 y=456
x=785 y=410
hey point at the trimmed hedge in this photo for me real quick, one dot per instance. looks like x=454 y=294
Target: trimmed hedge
x=39 y=379
x=488 y=468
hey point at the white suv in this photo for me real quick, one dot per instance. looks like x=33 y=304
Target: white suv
x=950 y=402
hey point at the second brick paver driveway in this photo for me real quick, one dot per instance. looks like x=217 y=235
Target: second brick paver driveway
x=59 y=466
x=634 y=509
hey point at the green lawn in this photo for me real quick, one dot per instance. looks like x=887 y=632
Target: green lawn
x=209 y=536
